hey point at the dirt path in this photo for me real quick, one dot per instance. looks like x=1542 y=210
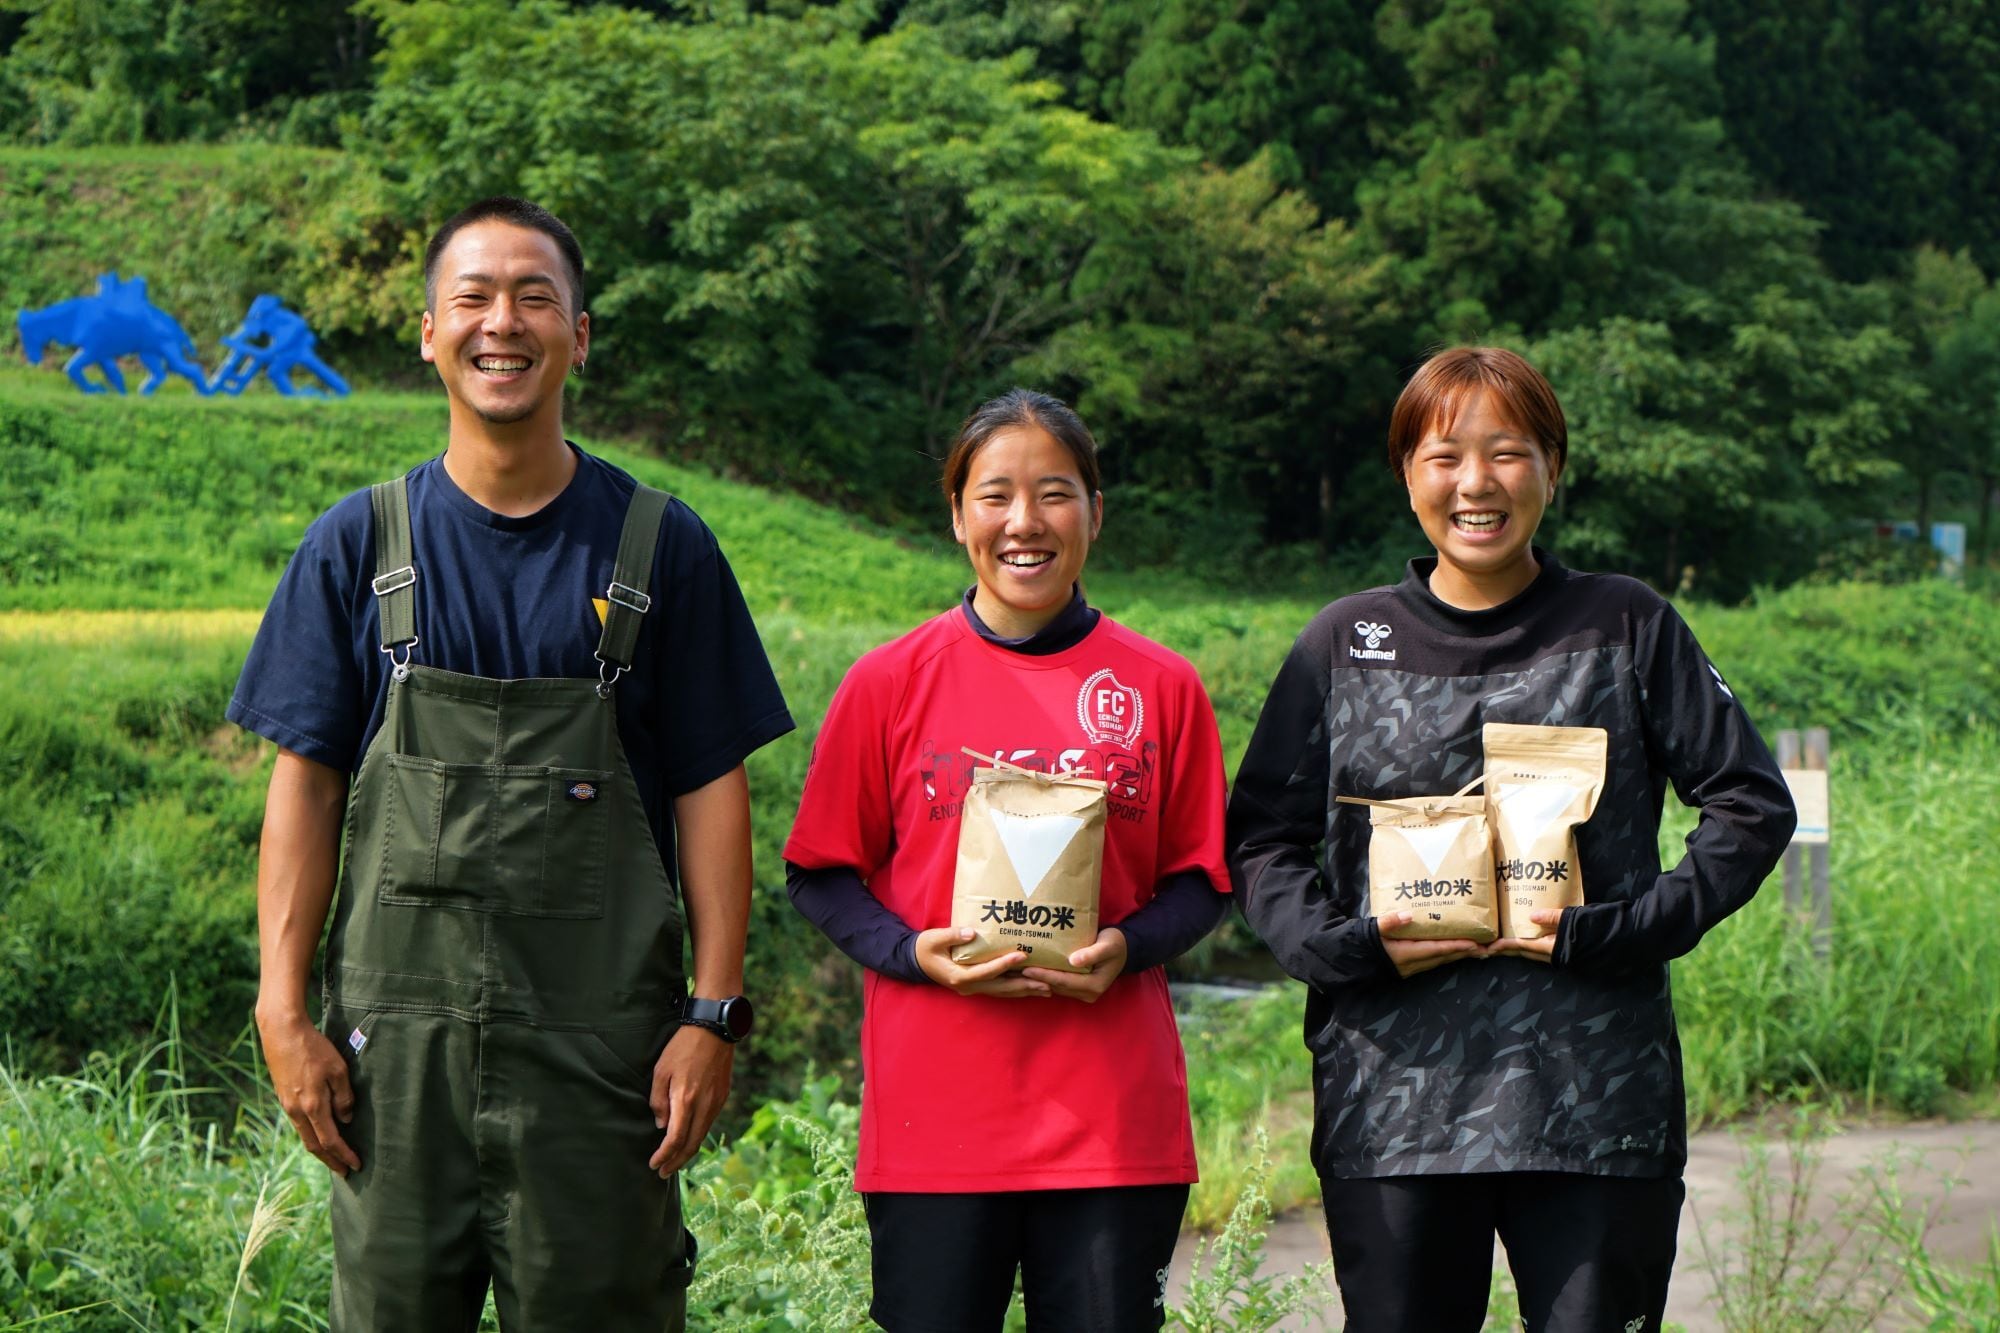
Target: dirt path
x=1929 y=1156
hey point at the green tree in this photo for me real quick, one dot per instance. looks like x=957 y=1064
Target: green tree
x=695 y=161
x=1479 y=192
x=1958 y=313
x=1730 y=403
x=1228 y=344
x=993 y=198
x=813 y=249
x=1879 y=116
x=147 y=71
x=1297 y=80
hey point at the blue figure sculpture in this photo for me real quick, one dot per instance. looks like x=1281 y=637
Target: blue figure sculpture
x=117 y=321
x=288 y=347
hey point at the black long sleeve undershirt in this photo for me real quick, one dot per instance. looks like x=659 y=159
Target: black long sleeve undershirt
x=1180 y=913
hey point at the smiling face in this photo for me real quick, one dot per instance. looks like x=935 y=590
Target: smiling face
x=1478 y=485
x=501 y=332
x=1026 y=522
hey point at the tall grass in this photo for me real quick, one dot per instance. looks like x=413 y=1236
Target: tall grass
x=1907 y=1003
x=121 y=1207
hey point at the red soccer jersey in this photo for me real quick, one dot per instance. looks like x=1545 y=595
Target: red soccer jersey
x=974 y=1093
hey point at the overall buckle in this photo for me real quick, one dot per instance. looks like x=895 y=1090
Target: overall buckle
x=629 y=598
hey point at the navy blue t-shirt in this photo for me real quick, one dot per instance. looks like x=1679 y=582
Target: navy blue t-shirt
x=511 y=598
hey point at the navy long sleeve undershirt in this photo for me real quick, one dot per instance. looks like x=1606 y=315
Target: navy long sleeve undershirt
x=1184 y=906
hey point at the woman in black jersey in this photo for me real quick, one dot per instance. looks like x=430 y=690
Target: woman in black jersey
x=1529 y=1088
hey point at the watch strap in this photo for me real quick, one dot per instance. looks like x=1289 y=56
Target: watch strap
x=712 y=1015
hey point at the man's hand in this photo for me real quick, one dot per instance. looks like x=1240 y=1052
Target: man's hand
x=1541 y=949
x=690 y=1083
x=691 y=1077
x=995 y=976
x=295 y=869
x=1414 y=956
x=311 y=1082
x=1104 y=956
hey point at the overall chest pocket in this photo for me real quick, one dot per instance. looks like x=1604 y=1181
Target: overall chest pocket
x=518 y=839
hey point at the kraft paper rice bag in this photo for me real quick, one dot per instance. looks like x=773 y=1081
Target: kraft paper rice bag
x=1431 y=856
x=1030 y=864
x=1541 y=782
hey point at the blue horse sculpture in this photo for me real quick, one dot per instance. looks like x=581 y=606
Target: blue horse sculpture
x=288 y=346
x=117 y=321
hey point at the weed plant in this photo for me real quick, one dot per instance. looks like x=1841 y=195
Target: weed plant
x=1227 y=1287
x=1797 y=1257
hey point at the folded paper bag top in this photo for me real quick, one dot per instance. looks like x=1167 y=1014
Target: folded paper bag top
x=1541 y=782
x=1431 y=856
x=1030 y=864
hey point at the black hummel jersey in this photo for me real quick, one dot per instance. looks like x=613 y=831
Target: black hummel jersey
x=1500 y=1064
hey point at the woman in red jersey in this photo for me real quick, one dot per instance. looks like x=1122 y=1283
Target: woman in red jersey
x=1017 y=1118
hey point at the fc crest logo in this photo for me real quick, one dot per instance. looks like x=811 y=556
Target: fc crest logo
x=1110 y=713
x=1372 y=633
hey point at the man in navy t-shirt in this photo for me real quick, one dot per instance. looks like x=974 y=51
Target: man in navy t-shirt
x=495 y=1108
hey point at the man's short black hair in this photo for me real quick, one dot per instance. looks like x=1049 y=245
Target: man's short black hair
x=521 y=213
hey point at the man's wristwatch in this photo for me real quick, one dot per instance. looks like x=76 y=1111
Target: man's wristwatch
x=730 y=1019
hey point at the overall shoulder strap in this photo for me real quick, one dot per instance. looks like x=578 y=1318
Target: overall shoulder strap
x=395 y=581
x=629 y=597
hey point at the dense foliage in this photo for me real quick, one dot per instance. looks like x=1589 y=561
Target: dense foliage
x=1750 y=247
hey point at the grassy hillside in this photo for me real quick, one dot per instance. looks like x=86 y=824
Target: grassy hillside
x=139 y=538
x=210 y=228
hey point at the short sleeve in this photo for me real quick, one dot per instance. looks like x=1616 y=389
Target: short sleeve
x=716 y=692
x=1191 y=827
x=844 y=812
x=301 y=686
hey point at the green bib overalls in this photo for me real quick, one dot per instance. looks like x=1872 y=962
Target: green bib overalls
x=503 y=970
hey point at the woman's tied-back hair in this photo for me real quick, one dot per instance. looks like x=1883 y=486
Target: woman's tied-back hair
x=1435 y=395
x=519 y=213
x=1011 y=410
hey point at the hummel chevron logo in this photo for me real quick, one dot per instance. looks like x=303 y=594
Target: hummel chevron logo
x=1372 y=633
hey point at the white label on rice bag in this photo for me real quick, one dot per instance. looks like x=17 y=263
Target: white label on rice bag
x=1430 y=844
x=1531 y=807
x=1033 y=844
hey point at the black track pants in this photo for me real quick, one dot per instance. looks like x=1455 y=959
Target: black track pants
x=1414 y=1254
x=1090 y=1260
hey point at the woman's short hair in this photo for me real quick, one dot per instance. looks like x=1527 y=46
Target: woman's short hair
x=1435 y=395
x=1012 y=410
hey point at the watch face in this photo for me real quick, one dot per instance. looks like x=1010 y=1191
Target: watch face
x=737 y=1017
